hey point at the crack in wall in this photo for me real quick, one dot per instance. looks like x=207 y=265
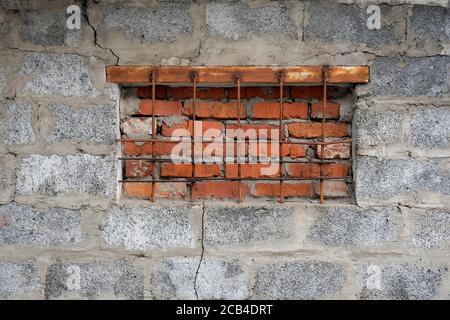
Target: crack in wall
x=84 y=9
x=203 y=251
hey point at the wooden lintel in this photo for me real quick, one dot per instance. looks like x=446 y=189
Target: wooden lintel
x=228 y=75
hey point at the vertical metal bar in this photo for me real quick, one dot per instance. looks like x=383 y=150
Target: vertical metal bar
x=153 y=133
x=324 y=107
x=194 y=111
x=238 y=82
x=281 y=138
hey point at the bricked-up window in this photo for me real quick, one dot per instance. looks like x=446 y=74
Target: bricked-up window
x=259 y=133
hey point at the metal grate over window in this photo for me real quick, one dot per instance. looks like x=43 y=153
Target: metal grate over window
x=194 y=142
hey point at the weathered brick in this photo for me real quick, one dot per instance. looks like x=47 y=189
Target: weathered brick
x=218 y=189
x=57 y=175
x=151 y=227
x=214 y=109
x=146 y=92
x=138 y=168
x=354 y=226
x=385 y=179
x=236 y=20
x=306 y=93
x=185 y=170
x=431 y=128
x=185 y=128
x=88 y=125
x=299 y=280
x=98 y=279
x=332 y=110
x=400 y=281
x=137 y=127
x=290 y=189
x=332 y=188
x=57 y=74
x=217 y=278
x=23 y=225
x=139 y=148
x=432 y=230
x=16 y=123
x=167 y=190
x=271 y=110
x=377 y=128
x=257 y=92
x=162 y=108
x=314 y=130
x=247 y=225
x=334 y=151
x=254 y=131
x=18 y=280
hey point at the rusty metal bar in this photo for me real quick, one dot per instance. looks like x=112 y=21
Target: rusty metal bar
x=153 y=133
x=237 y=179
x=250 y=140
x=194 y=112
x=324 y=107
x=281 y=137
x=226 y=75
x=238 y=108
x=164 y=160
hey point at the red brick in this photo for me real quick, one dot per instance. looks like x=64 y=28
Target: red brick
x=265 y=150
x=290 y=189
x=214 y=109
x=313 y=130
x=177 y=93
x=307 y=93
x=332 y=110
x=257 y=92
x=218 y=189
x=138 y=168
x=262 y=131
x=168 y=130
x=335 y=170
x=304 y=170
x=271 y=110
x=334 y=151
x=252 y=170
x=297 y=151
x=332 y=188
x=162 y=108
x=185 y=170
x=146 y=92
x=137 y=149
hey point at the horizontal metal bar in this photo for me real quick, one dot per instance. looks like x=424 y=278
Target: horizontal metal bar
x=186 y=180
x=189 y=160
x=187 y=140
x=224 y=74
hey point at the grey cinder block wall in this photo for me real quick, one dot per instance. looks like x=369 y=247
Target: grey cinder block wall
x=65 y=233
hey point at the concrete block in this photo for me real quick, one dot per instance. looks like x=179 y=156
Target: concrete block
x=92 y=125
x=47 y=28
x=348 y=23
x=377 y=128
x=432 y=229
x=18 y=280
x=72 y=174
x=7 y=178
x=152 y=227
x=385 y=179
x=23 y=225
x=429 y=24
x=400 y=281
x=3 y=82
x=354 y=226
x=146 y=24
x=99 y=279
x=236 y=20
x=431 y=128
x=217 y=278
x=57 y=74
x=299 y=280
x=16 y=123
x=410 y=77
x=246 y=225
